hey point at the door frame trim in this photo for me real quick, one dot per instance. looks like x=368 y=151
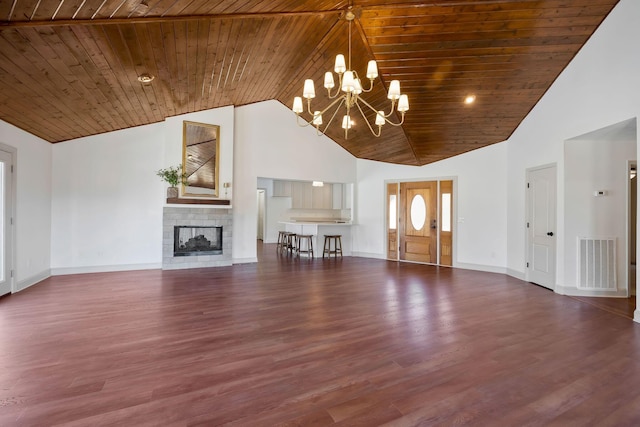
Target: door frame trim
x=627 y=228
x=13 y=151
x=264 y=218
x=386 y=220
x=527 y=203
x=454 y=214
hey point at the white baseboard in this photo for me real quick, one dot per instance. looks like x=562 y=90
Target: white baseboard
x=244 y=260
x=104 y=268
x=368 y=255
x=465 y=266
x=481 y=267
x=636 y=316
x=23 y=284
x=517 y=274
x=575 y=292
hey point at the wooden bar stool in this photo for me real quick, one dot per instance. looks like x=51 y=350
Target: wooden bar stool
x=282 y=241
x=292 y=239
x=336 y=239
x=308 y=240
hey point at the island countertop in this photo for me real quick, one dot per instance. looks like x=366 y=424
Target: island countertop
x=318 y=229
x=312 y=221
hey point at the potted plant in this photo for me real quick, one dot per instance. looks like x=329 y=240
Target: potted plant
x=172 y=176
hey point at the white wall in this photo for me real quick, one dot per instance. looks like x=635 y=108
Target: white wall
x=33 y=205
x=597 y=161
x=269 y=144
x=480 y=241
x=107 y=201
x=596 y=90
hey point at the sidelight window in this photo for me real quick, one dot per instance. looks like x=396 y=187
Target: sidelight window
x=393 y=208
x=446 y=212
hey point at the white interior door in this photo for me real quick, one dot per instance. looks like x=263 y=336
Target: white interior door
x=541 y=226
x=6 y=200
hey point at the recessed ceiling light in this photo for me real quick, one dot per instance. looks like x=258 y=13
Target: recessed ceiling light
x=145 y=78
x=470 y=99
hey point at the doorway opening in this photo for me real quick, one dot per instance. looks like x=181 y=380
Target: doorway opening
x=261 y=213
x=420 y=222
x=7 y=197
x=633 y=218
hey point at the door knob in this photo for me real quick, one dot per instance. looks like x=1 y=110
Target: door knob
x=550 y=233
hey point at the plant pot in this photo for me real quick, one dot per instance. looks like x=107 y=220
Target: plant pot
x=172 y=192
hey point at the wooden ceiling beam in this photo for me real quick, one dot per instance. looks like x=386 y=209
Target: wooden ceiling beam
x=162 y=19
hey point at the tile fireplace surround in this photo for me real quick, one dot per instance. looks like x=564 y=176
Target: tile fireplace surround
x=195 y=216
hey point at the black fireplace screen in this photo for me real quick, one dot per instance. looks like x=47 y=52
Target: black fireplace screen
x=189 y=240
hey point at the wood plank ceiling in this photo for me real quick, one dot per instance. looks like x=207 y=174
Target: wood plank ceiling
x=69 y=68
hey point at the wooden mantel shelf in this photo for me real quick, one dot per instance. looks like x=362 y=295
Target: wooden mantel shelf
x=195 y=201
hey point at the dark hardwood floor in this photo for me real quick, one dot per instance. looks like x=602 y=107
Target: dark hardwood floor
x=621 y=306
x=350 y=342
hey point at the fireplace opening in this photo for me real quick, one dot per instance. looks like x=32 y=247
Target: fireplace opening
x=190 y=241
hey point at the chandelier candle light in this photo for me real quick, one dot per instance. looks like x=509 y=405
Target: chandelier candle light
x=348 y=95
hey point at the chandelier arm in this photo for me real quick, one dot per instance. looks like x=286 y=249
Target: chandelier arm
x=370 y=87
x=356 y=76
x=305 y=123
x=309 y=106
x=393 y=107
x=377 y=135
x=397 y=124
x=341 y=100
x=338 y=88
x=321 y=112
x=335 y=112
x=385 y=117
x=335 y=95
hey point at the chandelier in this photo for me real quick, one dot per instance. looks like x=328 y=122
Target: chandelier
x=347 y=96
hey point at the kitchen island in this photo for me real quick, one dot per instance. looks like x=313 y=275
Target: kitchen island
x=319 y=229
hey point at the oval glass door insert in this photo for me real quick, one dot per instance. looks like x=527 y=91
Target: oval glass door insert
x=418 y=212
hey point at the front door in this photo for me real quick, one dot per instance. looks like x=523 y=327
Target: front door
x=418 y=225
x=6 y=199
x=541 y=226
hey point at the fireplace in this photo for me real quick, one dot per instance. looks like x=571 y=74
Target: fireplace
x=211 y=230
x=194 y=241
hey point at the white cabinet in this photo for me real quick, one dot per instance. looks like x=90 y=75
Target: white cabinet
x=301 y=195
x=305 y=196
x=338 y=196
x=281 y=188
x=322 y=197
